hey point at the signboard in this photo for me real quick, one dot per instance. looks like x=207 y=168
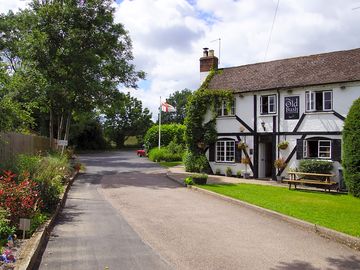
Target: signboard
x=62 y=142
x=292 y=109
x=24 y=224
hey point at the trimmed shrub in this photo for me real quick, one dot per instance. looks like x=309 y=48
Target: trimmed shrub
x=164 y=154
x=169 y=132
x=315 y=166
x=239 y=174
x=200 y=179
x=218 y=172
x=189 y=181
x=351 y=149
x=196 y=163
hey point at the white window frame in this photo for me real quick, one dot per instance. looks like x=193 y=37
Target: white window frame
x=229 y=156
x=221 y=110
x=310 y=101
x=319 y=151
x=269 y=97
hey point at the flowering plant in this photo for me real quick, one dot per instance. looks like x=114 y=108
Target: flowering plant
x=19 y=199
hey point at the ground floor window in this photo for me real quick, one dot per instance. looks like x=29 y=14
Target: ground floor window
x=225 y=151
x=317 y=149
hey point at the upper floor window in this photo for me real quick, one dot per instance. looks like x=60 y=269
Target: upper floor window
x=268 y=104
x=318 y=101
x=225 y=151
x=223 y=108
x=317 y=149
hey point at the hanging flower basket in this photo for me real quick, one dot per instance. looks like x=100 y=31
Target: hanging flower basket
x=242 y=145
x=283 y=145
x=280 y=163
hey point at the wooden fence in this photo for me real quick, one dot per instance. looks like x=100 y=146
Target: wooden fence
x=12 y=144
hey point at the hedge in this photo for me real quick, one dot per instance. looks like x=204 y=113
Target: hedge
x=351 y=149
x=169 y=132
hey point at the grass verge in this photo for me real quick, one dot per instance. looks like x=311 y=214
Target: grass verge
x=339 y=212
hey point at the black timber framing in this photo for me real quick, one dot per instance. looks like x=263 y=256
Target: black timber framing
x=299 y=122
x=338 y=115
x=273 y=142
x=244 y=124
x=299 y=133
x=256 y=142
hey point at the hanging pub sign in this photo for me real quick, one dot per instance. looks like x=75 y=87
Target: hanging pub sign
x=292 y=109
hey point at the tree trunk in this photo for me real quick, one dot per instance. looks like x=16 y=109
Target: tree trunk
x=67 y=129
x=60 y=127
x=51 y=129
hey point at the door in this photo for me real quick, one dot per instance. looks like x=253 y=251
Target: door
x=262 y=160
x=265 y=166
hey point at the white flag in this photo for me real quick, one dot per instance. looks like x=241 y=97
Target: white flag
x=166 y=107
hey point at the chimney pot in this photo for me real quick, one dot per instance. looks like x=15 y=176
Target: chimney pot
x=205 y=52
x=211 y=53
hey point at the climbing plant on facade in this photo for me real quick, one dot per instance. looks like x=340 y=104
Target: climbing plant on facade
x=201 y=106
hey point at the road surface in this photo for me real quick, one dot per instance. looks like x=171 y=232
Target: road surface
x=125 y=214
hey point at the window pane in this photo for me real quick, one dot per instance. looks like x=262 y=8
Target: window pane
x=272 y=104
x=327 y=100
x=233 y=108
x=319 y=101
x=264 y=105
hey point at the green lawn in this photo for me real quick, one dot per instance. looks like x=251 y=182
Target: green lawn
x=336 y=211
x=168 y=164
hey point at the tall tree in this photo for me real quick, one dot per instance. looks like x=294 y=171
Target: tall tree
x=78 y=50
x=126 y=117
x=178 y=100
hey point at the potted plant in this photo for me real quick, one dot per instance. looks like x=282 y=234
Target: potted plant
x=239 y=173
x=201 y=145
x=246 y=161
x=242 y=145
x=279 y=163
x=283 y=145
x=200 y=179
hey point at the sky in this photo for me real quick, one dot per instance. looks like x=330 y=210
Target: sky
x=168 y=35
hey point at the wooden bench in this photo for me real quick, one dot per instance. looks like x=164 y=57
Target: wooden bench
x=296 y=178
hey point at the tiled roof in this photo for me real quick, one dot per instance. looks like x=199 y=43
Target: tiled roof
x=326 y=68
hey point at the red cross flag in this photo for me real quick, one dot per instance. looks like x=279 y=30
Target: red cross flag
x=166 y=107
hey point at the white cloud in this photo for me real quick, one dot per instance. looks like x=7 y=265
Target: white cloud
x=168 y=35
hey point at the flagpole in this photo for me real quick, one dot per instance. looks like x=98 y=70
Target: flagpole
x=160 y=124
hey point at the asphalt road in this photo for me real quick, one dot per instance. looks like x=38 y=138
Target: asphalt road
x=124 y=213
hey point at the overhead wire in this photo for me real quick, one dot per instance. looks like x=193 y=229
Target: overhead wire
x=271 y=30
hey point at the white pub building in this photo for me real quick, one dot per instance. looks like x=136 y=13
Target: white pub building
x=302 y=101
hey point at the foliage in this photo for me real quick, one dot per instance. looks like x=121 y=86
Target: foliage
x=37 y=220
x=19 y=199
x=239 y=174
x=279 y=163
x=200 y=179
x=335 y=211
x=315 y=166
x=168 y=164
x=245 y=160
x=178 y=100
x=196 y=163
x=283 y=145
x=164 y=154
x=5 y=228
x=199 y=103
x=169 y=133
x=218 y=172
x=27 y=164
x=87 y=132
x=189 y=181
x=125 y=117
x=351 y=151
x=75 y=53
x=228 y=171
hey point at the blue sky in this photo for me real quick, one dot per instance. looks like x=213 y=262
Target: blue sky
x=168 y=35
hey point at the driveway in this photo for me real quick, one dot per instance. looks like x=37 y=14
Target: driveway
x=173 y=227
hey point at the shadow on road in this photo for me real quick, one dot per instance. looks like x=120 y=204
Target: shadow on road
x=138 y=179
x=340 y=263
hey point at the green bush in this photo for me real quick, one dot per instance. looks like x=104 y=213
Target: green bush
x=196 y=163
x=228 y=171
x=26 y=163
x=5 y=228
x=169 y=132
x=36 y=221
x=351 y=149
x=315 y=166
x=238 y=174
x=217 y=172
x=200 y=179
x=163 y=154
x=189 y=181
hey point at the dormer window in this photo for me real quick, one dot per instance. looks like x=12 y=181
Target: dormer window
x=317 y=101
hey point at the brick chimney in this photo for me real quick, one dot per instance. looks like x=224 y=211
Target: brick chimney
x=207 y=62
